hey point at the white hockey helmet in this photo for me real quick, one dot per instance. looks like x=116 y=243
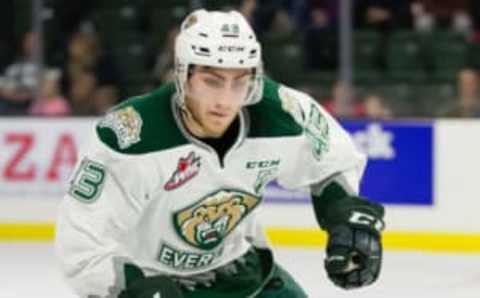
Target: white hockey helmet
x=218 y=39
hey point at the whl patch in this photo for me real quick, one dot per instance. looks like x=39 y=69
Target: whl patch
x=187 y=169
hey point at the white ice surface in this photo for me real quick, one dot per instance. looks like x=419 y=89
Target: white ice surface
x=30 y=271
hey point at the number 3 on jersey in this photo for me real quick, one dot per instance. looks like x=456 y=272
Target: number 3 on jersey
x=88 y=181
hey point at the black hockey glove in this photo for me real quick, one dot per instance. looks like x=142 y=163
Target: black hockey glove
x=354 y=257
x=354 y=248
x=139 y=286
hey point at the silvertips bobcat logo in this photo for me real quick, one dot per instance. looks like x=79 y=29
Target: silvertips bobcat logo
x=187 y=168
x=206 y=223
x=126 y=123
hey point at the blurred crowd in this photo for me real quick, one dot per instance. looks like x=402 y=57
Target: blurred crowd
x=85 y=84
x=81 y=76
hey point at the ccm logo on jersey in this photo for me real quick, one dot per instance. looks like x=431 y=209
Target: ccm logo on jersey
x=262 y=164
x=187 y=169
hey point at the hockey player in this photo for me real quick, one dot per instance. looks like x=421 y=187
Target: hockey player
x=164 y=200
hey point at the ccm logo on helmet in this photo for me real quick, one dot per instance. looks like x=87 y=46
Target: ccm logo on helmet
x=231 y=49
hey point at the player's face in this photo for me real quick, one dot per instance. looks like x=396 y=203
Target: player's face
x=215 y=96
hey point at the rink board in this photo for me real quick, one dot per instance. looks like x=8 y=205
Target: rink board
x=424 y=172
x=293 y=237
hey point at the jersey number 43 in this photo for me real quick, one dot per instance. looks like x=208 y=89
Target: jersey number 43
x=88 y=181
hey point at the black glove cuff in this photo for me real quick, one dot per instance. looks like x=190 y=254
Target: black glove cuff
x=334 y=207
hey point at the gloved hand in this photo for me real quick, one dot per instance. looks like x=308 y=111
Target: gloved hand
x=354 y=225
x=140 y=286
x=354 y=256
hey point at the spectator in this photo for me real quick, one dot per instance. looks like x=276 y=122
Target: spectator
x=281 y=22
x=335 y=105
x=267 y=13
x=321 y=42
x=82 y=92
x=376 y=15
x=103 y=100
x=382 y=16
x=468 y=100
x=462 y=22
x=20 y=81
x=163 y=70
x=67 y=19
x=302 y=12
x=247 y=8
x=445 y=11
x=50 y=101
x=374 y=107
x=71 y=14
x=423 y=21
x=373 y=14
x=86 y=58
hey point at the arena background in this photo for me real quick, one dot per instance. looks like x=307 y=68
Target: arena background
x=401 y=76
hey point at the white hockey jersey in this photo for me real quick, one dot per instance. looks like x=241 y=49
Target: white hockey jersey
x=146 y=192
